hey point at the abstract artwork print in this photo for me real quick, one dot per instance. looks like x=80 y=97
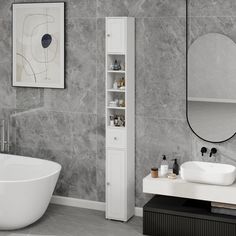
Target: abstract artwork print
x=38 y=45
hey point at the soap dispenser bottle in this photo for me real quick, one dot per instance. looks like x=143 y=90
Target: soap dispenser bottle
x=175 y=167
x=164 y=167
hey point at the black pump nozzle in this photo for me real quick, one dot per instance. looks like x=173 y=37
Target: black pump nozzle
x=175 y=166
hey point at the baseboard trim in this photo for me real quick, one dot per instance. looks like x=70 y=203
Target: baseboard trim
x=81 y=203
x=75 y=202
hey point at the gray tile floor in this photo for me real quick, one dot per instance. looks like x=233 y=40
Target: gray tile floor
x=70 y=221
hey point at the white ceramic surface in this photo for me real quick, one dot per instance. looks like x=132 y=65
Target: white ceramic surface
x=26 y=187
x=208 y=173
x=185 y=189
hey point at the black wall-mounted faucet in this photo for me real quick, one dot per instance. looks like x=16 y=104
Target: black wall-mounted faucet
x=213 y=151
x=203 y=150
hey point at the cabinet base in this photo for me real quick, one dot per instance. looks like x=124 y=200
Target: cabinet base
x=171 y=216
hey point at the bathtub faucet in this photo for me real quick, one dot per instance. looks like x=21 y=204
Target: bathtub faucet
x=5 y=144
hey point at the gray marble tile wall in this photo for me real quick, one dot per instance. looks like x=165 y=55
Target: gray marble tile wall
x=68 y=125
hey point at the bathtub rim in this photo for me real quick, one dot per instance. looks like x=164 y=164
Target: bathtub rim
x=59 y=167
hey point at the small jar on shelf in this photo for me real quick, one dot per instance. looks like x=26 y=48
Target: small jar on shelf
x=112 y=121
x=117 y=121
x=115 y=85
x=121 y=103
x=119 y=84
x=116 y=65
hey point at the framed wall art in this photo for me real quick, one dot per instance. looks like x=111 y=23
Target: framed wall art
x=38 y=45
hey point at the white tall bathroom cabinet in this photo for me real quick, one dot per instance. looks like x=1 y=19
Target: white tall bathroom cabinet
x=120 y=118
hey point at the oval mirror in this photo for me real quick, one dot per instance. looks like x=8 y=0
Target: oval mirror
x=211 y=87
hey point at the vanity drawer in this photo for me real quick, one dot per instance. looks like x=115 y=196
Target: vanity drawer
x=116 y=138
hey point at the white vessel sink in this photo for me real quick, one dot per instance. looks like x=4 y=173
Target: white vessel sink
x=208 y=173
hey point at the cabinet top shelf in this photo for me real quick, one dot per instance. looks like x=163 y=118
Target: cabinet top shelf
x=116 y=71
x=117 y=108
x=116 y=53
x=116 y=90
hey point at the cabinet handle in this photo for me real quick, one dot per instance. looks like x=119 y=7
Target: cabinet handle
x=108 y=35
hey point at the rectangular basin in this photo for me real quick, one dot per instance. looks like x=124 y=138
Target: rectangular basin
x=208 y=173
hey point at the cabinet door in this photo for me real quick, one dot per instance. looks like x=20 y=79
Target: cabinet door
x=115 y=184
x=116 y=35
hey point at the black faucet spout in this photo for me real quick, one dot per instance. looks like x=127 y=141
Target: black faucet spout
x=213 y=151
x=203 y=150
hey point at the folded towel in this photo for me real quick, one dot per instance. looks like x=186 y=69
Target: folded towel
x=223 y=211
x=223 y=205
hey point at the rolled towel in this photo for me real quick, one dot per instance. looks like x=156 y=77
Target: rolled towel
x=223 y=208
x=223 y=205
x=223 y=211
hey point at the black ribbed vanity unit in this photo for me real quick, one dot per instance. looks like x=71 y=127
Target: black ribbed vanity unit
x=172 y=216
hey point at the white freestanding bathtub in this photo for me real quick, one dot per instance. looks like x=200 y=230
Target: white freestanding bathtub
x=26 y=187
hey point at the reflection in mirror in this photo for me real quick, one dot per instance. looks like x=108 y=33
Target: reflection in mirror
x=212 y=87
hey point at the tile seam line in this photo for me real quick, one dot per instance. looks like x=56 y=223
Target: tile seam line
x=137 y=17
x=96 y=29
x=84 y=113
x=21 y=110
x=146 y=17
x=161 y=118
x=214 y=16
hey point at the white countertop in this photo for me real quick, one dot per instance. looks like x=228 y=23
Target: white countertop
x=181 y=188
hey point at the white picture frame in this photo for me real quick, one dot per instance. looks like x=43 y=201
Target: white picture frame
x=38 y=45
